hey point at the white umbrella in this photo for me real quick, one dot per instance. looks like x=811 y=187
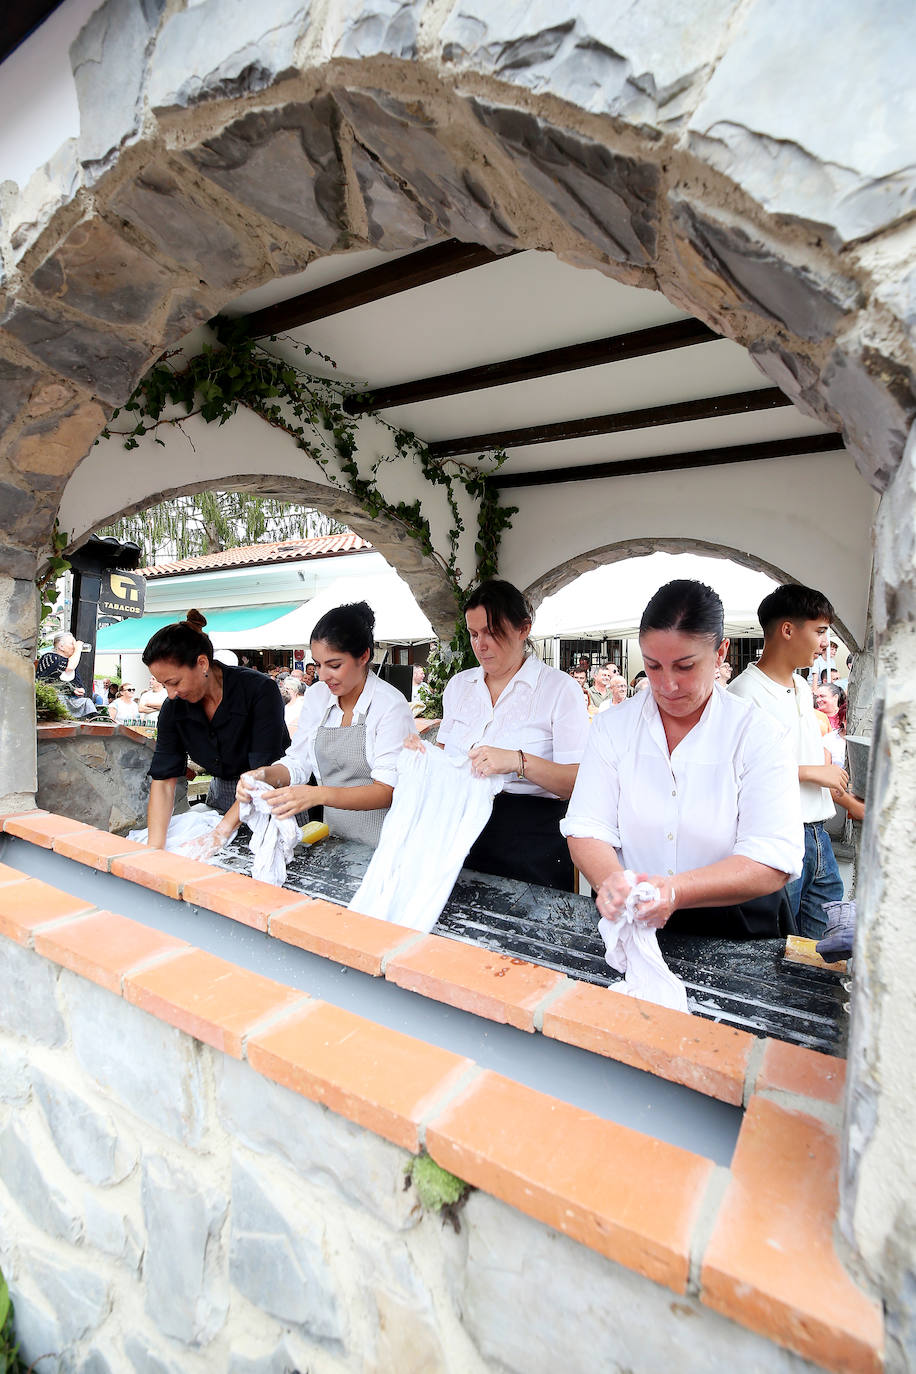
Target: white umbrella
x=398 y=618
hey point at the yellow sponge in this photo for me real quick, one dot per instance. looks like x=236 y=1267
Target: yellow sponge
x=314 y=831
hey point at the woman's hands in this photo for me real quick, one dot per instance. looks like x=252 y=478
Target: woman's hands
x=414 y=742
x=243 y=786
x=487 y=761
x=289 y=801
x=283 y=801
x=614 y=891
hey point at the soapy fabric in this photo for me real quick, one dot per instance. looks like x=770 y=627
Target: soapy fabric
x=438 y=810
x=632 y=949
x=272 y=841
x=187 y=833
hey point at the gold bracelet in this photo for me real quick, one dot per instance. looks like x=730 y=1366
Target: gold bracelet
x=520 y=772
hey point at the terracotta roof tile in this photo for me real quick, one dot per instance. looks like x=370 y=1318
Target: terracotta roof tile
x=254 y=555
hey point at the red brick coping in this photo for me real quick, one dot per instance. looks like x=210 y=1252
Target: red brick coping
x=754 y=1242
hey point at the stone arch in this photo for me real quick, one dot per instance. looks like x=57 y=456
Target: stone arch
x=641 y=547
x=190 y=190
x=390 y=539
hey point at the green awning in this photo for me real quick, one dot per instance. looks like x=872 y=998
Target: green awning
x=132 y=636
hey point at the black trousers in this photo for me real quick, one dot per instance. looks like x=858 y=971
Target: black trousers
x=761 y=918
x=522 y=840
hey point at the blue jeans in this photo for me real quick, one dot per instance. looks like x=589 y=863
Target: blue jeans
x=820 y=882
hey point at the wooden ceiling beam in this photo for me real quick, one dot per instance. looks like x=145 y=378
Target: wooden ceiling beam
x=659 y=338
x=674 y=462
x=427 y=265
x=19 y=19
x=620 y=422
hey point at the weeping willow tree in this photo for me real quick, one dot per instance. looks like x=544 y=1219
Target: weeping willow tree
x=212 y=521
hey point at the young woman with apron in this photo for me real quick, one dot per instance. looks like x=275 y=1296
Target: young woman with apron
x=515 y=716
x=351 y=729
x=225 y=718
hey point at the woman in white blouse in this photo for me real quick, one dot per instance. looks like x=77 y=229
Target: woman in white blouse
x=350 y=731
x=689 y=787
x=516 y=717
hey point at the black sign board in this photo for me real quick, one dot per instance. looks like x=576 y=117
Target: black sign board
x=122 y=593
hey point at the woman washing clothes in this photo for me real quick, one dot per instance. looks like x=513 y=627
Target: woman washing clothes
x=227 y=719
x=515 y=717
x=689 y=787
x=350 y=732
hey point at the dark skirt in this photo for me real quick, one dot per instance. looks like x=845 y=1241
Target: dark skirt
x=761 y=918
x=522 y=840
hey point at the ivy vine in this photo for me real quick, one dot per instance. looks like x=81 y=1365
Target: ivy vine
x=54 y=567
x=312 y=410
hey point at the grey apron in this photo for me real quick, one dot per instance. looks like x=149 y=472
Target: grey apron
x=221 y=793
x=341 y=757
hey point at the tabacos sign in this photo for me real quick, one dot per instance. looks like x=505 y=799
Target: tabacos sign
x=122 y=593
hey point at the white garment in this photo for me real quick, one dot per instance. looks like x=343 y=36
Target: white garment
x=272 y=841
x=540 y=711
x=388 y=718
x=185 y=832
x=835 y=744
x=438 y=810
x=632 y=949
x=123 y=712
x=291 y=713
x=793 y=707
x=729 y=788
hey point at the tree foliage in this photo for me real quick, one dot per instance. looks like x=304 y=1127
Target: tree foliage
x=212 y=521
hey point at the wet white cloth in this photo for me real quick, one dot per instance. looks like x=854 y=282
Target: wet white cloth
x=272 y=841
x=632 y=949
x=187 y=833
x=438 y=810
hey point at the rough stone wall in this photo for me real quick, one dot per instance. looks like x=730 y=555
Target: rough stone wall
x=165 y=1210
x=878 y=1218
x=99 y=778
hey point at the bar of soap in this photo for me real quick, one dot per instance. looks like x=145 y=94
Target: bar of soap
x=314 y=831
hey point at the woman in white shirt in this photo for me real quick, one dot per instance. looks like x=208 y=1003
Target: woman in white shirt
x=123 y=707
x=689 y=787
x=516 y=717
x=350 y=732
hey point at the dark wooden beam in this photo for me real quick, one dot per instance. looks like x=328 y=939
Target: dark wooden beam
x=19 y=18
x=620 y=422
x=674 y=462
x=614 y=349
x=416 y=269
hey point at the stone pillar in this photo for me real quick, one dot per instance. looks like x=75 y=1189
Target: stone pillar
x=18 y=636
x=878 y=1215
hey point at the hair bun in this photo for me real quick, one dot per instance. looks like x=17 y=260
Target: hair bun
x=365 y=612
x=196 y=621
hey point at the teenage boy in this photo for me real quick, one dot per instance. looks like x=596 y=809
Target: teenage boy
x=796 y=622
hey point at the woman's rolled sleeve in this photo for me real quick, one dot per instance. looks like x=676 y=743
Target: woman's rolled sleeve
x=389 y=736
x=592 y=811
x=170 y=758
x=770 y=827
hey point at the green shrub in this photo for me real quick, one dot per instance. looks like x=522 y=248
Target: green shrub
x=49 y=703
x=10 y=1362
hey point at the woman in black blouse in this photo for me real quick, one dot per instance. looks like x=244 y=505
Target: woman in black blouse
x=228 y=720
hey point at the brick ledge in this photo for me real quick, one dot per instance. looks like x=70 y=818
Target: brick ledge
x=641 y=1215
